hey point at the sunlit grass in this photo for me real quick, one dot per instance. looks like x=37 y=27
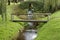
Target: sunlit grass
x=9 y=29
x=51 y=30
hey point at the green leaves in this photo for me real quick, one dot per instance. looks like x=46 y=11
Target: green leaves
x=37 y=6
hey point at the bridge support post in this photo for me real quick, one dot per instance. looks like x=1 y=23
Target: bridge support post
x=12 y=17
x=48 y=17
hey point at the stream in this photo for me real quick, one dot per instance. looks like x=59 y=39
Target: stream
x=30 y=34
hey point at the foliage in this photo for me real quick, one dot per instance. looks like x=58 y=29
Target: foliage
x=37 y=6
x=46 y=6
x=51 y=30
x=8 y=30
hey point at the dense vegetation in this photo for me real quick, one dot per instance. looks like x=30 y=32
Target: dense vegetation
x=9 y=29
x=42 y=5
x=51 y=30
x=37 y=6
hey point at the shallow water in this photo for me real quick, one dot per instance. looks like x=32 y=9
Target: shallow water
x=30 y=34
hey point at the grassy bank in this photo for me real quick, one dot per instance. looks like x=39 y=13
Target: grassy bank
x=51 y=30
x=9 y=29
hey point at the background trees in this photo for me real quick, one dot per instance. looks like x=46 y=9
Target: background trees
x=3 y=9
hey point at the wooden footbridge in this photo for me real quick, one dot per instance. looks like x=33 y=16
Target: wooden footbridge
x=41 y=15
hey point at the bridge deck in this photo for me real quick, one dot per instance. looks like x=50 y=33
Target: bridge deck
x=29 y=20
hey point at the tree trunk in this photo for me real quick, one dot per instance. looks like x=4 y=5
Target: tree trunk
x=3 y=2
x=8 y=2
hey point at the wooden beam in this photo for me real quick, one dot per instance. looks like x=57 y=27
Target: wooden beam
x=29 y=20
x=34 y=14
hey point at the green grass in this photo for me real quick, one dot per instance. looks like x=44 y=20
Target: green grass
x=51 y=30
x=9 y=29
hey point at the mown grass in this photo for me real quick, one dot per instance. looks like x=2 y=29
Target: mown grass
x=51 y=30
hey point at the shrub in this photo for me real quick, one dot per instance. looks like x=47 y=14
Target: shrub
x=38 y=6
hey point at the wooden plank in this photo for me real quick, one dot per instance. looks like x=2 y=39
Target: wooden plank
x=34 y=14
x=31 y=30
x=29 y=20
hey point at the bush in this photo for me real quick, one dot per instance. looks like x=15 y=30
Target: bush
x=38 y=6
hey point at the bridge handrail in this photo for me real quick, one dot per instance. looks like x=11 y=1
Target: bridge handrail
x=34 y=14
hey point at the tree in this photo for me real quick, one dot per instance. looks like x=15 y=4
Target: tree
x=8 y=2
x=3 y=4
x=0 y=8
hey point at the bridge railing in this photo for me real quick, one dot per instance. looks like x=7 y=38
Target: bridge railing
x=35 y=17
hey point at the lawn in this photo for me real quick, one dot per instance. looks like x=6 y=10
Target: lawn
x=51 y=30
